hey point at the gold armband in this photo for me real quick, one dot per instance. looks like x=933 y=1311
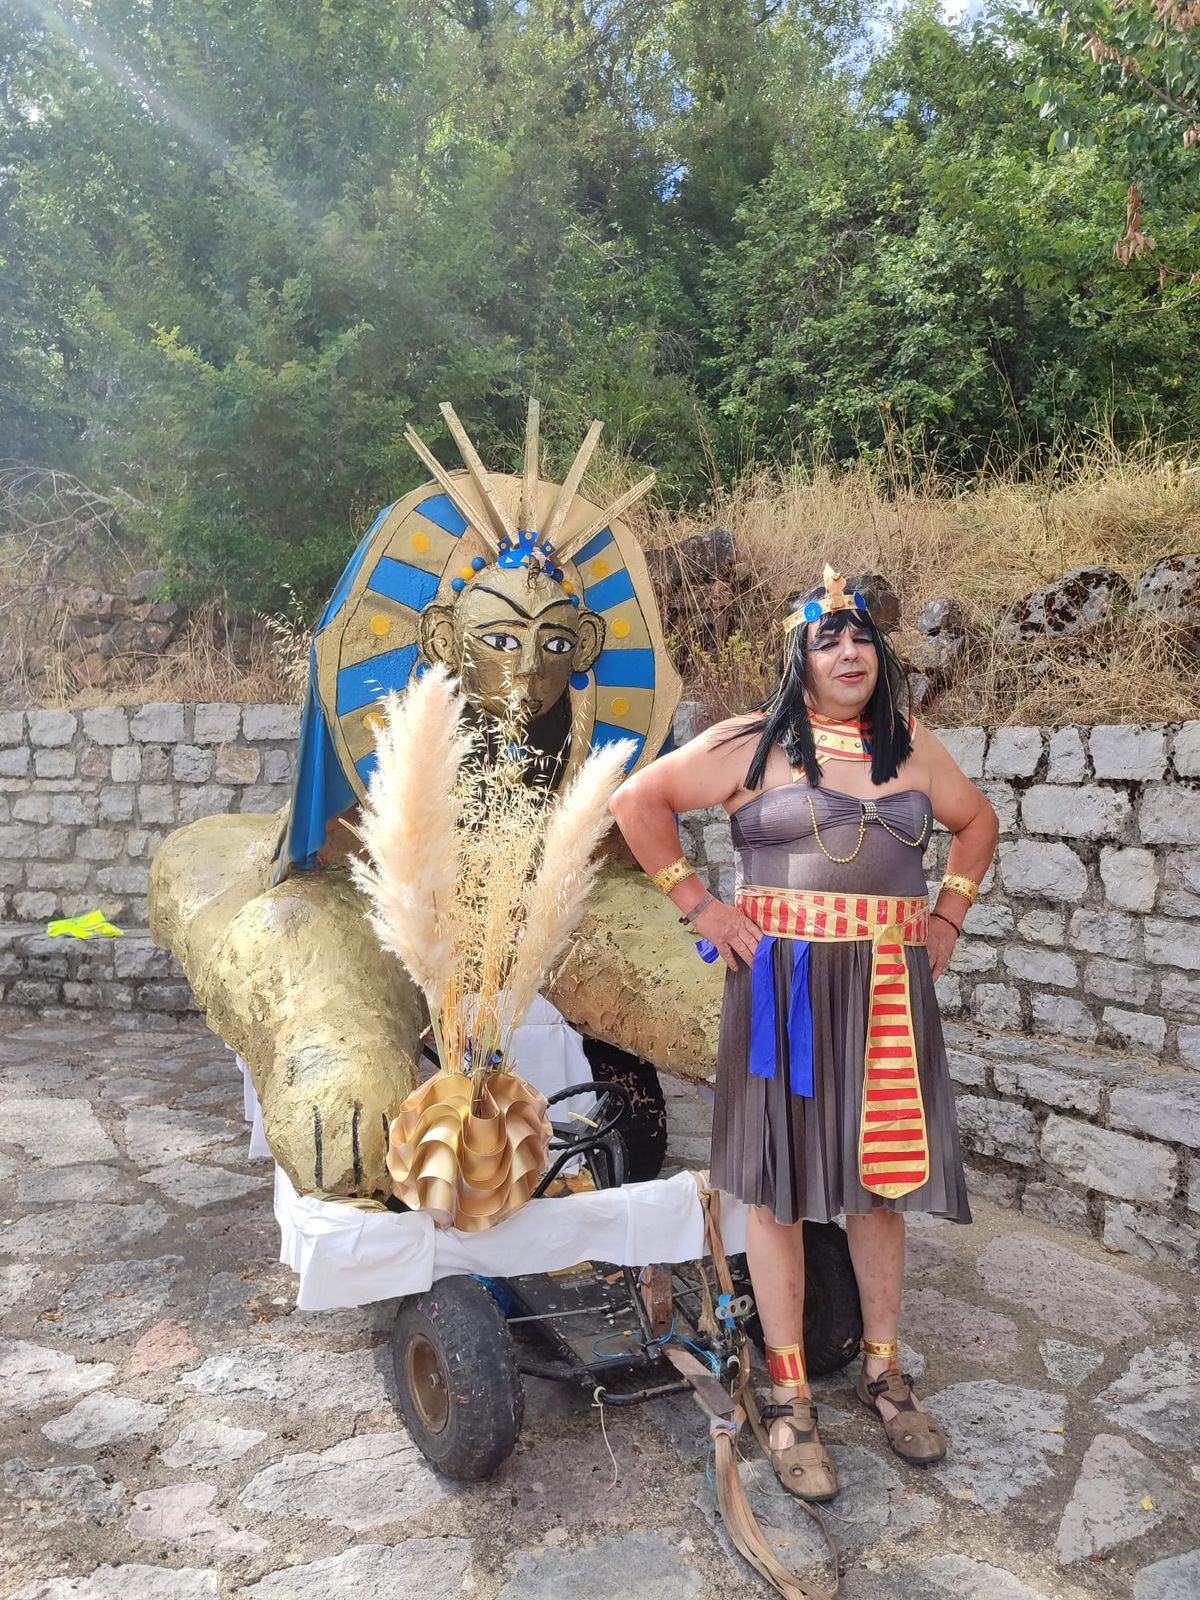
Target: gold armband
x=668 y=878
x=955 y=883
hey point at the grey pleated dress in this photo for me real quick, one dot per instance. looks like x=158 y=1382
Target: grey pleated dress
x=772 y=1147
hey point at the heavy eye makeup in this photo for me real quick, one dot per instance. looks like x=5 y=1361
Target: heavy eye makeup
x=826 y=641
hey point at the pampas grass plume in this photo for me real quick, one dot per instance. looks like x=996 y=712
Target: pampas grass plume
x=408 y=827
x=554 y=900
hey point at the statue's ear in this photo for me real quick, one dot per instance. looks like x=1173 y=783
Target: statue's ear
x=591 y=641
x=438 y=642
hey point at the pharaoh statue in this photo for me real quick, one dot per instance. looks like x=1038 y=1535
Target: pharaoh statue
x=540 y=602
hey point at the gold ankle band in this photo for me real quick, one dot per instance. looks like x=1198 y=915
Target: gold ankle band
x=880 y=1349
x=785 y=1363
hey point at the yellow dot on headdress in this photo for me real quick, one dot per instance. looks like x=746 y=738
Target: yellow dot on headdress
x=620 y=706
x=567 y=586
x=620 y=627
x=466 y=573
x=420 y=542
x=381 y=625
x=600 y=568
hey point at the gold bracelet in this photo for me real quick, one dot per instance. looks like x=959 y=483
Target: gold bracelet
x=955 y=883
x=668 y=878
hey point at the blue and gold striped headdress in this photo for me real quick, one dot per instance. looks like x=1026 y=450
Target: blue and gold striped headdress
x=430 y=546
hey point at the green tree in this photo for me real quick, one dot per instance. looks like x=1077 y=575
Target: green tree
x=918 y=259
x=1125 y=75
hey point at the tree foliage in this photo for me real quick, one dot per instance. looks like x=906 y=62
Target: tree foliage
x=242 y=246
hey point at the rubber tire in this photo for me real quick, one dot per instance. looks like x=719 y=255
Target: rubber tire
x=467 y=1329
x=644 y=1129
x=832 y=1313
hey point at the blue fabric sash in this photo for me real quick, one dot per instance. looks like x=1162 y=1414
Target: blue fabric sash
x=799 y=1023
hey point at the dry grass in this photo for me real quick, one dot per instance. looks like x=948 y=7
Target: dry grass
x=986 y=545
x=216 y=658
x=477 y=874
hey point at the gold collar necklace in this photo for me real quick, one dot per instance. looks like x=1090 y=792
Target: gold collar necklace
x=840 y=741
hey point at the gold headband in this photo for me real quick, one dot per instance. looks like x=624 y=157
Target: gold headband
x=836 y=599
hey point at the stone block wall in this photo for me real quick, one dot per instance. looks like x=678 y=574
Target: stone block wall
x=1089 y=924
x=1091 y=1142
x=87 y=796
x=1088 y=931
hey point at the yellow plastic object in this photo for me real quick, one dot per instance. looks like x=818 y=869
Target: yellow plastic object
x=85 y=927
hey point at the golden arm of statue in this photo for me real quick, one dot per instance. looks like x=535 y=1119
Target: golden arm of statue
x=632 y=977
x=293 y=978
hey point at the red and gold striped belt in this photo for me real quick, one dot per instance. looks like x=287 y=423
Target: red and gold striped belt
x=819 y=915
x=893 y=1144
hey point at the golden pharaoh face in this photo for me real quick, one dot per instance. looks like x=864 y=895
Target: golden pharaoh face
x=513 y=635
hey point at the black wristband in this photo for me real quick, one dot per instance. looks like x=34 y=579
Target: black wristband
x=690 y=916
x=947 y=921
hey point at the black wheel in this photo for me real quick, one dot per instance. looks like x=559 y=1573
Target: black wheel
x=832 y=1313
x=644 y=1128
x=456 y=1372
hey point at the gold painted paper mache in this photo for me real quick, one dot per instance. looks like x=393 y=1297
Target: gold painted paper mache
x=539 y=601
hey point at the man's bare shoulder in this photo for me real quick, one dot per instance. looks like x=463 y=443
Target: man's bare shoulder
x=731 y=729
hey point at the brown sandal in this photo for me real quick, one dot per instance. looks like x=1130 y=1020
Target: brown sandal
x=804 y=1467
x=914 y=1435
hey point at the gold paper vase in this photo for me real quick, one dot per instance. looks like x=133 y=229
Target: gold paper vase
x=467 y=1167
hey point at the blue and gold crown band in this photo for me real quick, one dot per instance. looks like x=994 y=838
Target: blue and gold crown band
x=836 y=599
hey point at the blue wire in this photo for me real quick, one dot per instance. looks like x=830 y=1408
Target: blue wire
x=713 y=1365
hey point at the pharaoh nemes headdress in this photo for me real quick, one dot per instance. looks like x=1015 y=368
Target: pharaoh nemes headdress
x=430 y=546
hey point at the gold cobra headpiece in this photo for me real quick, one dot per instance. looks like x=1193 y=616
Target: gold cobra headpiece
x=835 y=599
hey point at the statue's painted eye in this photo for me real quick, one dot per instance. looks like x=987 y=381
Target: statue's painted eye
x=501 y=641
x=559 y=646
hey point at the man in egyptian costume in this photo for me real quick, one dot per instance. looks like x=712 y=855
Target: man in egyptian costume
x=540 y=601
x=833 y=1089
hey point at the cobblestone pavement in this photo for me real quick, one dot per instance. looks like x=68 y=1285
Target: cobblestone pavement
x=172 y=1429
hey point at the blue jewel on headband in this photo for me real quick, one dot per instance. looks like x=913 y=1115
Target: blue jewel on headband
x=526 y=551
x=813 y=611
x=579 y=680
x=458 y=584
x=860 y=602
x=478 y=563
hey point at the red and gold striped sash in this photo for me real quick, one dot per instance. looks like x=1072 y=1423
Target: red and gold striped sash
x=893 y=1142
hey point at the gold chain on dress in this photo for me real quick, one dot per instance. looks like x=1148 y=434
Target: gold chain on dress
x=870 y=813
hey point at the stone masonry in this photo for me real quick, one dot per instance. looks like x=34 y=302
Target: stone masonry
x=86 y=797
x=1088 y=931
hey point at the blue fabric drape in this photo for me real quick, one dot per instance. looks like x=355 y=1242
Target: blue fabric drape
x=320 y=790
x=762 y=1016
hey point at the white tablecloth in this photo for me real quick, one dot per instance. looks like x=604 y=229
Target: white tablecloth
x=347 y=1257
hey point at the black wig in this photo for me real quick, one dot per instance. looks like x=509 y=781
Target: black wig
x=787 y=720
